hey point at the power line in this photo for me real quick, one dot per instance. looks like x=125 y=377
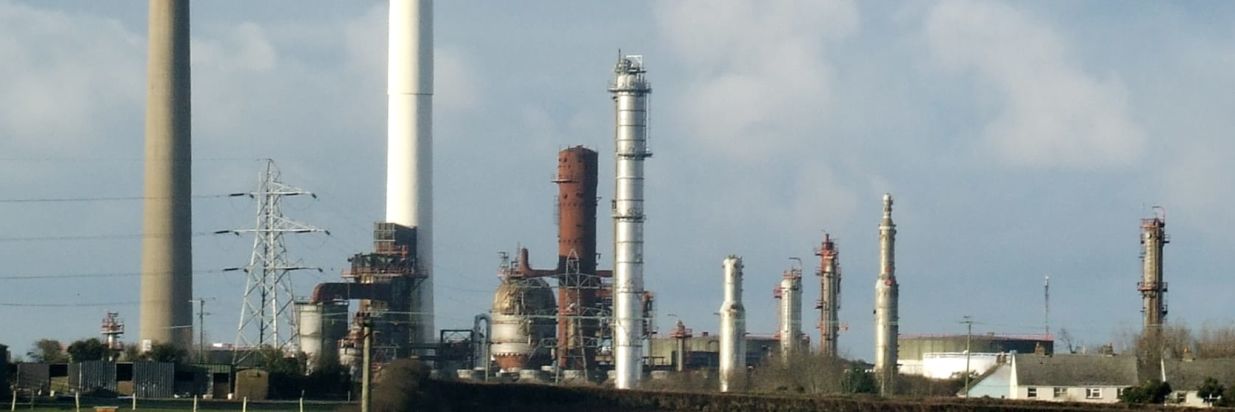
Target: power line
x=87 y=275
x=67 y=305
x=92 y=237
x=111 y=198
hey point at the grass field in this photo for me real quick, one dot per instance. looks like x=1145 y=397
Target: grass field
x=169 y=405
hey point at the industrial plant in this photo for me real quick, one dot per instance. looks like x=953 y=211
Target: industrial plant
x=566 y=321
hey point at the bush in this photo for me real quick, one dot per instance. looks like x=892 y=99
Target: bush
x=1151 y=392
x=402 y=385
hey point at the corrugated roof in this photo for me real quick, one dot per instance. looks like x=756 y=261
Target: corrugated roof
x=1076 y=370
x=1189 y=375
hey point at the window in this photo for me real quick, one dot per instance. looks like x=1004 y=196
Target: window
x=1093 y=393
x=1060 y=392
x=1032 y=392
x=1181 y=397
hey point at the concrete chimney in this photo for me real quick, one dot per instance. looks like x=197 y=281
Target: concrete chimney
x=167 y=248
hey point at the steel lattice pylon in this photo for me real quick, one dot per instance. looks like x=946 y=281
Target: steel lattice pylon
x=266 y=318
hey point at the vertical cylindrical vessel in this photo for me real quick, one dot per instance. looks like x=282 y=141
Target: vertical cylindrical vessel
x=167 y=260
x=829 y=297
x=319 y=328
x=886 y=295
x=732 y=328
x=630 y=89
x=790 y=333
x=409 y=162
x=578 y=284
x=1152 y=288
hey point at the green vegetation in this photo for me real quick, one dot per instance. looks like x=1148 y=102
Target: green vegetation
x=88 y=350
x=1151 y=392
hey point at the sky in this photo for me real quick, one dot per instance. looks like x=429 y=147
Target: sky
x=1020 y=139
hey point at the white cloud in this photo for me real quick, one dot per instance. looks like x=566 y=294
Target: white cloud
x=1053 y=113
x=67 y=78
x=759 y=76
x=243 y=47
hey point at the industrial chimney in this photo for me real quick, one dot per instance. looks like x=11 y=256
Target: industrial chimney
x=886 y=295
x=1151 y=286
x=789 y=292
x=829 y=300
x=630 y=90
x=409 y=162
x=732 y=328
x=167 y=246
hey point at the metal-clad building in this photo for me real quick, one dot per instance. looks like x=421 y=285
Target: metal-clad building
x=154 y=379
x=91 y=376
x=914 y=348
x=703 y=351
x=35 y=377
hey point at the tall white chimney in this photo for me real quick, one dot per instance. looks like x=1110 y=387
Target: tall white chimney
x=409 y=162
x=732 y=328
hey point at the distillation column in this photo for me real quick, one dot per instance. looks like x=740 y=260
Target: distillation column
x=732 y=328
x=409 y=162
x=829 y=301
x=1151 y=286
x=790 y=294
x=630 y=90
x=167 y=244
x=886 y=291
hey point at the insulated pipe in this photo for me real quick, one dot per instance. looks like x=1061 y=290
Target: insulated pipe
x=409 y=162
x=886 y=294
x=630 y=90
x=167 y=246
x=732 y=328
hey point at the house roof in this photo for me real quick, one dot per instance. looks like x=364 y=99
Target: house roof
x=1075 y=370
x=1189 y=375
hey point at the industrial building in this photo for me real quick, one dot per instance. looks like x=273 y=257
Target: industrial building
x=702 y=351
x=943 y=356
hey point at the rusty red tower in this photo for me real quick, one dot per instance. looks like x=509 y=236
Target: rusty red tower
x=578 y=281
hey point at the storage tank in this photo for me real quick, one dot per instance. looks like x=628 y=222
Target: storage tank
x=523 y=316
x=320 y=327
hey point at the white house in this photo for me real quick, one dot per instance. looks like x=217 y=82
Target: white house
x=1187 y=376
x=1059 y=378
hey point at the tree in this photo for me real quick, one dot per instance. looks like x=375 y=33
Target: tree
x=89 y=350
x=1211 y=389
x=858 y=380
x=1150 y=392
x=47 y=351
x=401 y=385
x=165 y=352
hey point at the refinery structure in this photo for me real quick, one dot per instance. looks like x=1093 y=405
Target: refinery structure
x=569 y=321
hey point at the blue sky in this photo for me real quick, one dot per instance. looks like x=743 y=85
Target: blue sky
x=1020 y=139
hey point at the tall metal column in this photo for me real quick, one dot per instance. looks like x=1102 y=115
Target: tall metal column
x=630 y=90
x=732 y=328
x=829 y=296
x=886 y=295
